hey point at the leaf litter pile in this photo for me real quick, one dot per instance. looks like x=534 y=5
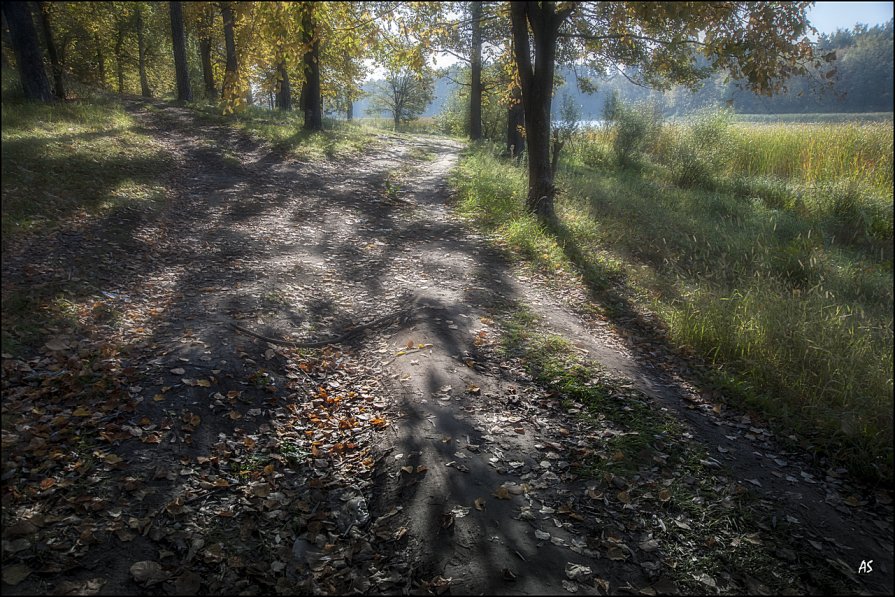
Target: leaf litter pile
x=278 y=504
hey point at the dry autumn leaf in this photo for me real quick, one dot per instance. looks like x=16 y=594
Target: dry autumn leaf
x=148 y=572
x=13 y=575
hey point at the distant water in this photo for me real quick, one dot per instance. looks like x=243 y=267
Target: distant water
x=585 y=123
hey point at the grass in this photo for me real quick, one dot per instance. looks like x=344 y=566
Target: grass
x=831 y=118
x=638 y=425
x=782 y=281
x=285 y=131
x=668 y=475
x=420 y=126
x=340 y=138
x=61 y=160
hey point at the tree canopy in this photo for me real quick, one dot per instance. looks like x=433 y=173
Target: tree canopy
x=327 y=49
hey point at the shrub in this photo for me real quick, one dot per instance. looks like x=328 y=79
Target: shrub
x=634 y=128
x=697 y=153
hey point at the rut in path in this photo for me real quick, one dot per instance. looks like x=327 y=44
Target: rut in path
x=492 y=502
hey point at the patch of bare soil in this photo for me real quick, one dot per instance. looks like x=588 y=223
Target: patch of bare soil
x=155 y=448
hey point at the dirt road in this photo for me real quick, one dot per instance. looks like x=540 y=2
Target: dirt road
x=419 y=457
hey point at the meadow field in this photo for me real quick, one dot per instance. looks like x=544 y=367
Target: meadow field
x=765 y=249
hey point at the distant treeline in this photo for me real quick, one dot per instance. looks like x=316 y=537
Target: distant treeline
x=862 y=83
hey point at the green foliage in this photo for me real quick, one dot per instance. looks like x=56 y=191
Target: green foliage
x=699 y=151
x=454 y=116
x=633 y=128
x=777 y=270
x=403 y=93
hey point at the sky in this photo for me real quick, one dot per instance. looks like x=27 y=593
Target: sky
x=829 y=16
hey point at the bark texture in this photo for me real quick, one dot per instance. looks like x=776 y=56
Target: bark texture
x=35 y=84
x=178 y=39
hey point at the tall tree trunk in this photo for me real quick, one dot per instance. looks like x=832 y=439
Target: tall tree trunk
x=145 y=91
x=537 y=94
x=119 y=64
x=515 y=121
x=475 y=93
x=231 y=72
x=100 y=61
x=349 y=111
x=6 y=41
x=55 y=63
x=211 y=91
x=178 y=41
x=284 y=91
x=250 y=99
x=313 y=106
x=24 y=42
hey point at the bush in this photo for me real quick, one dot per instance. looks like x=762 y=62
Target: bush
x=634 y=128
x=697 y=153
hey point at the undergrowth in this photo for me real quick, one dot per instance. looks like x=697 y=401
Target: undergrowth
x=64 y=159
x=789 y=300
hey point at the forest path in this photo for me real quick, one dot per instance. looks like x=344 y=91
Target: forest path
x=417 y=458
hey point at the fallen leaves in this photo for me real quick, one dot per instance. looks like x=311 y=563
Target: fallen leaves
x=13 y=575
x=148 y=573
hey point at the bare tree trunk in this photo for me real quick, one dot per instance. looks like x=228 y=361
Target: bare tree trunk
x=6 y=41
x=475 y=93
x=349 y=111
x=537 y=94
x=100 y=61
x=231 y=72
x=178 y=40
x=515 y=121
x=56 y=64
x=119 y=65
x=284 y=91
x=141 y=52
x=24 y=42
x=313 y=107
x=211 y=90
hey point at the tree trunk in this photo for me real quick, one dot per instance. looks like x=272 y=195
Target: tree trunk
x=6 y=41
x=537 y=94
x=100 y=61
x=515 y=121
x=284 y=91
x=56 y=64
x=231 y=72
x=24 y=42
x=349 y=112
x=313 y=106
x=119 y=65
x=475 y=93
x=178 y=40
x=141 y=52
x=211 y=92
